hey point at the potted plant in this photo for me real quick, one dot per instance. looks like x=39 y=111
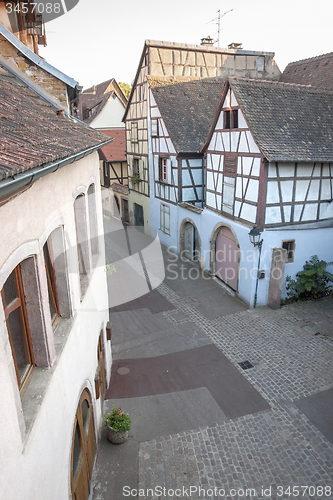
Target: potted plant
x=118 y=424
x=135 y=179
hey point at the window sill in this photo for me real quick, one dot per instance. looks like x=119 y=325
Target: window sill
x=37 y=387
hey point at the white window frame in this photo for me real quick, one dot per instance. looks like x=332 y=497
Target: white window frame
x=165 y=218
x=154 y=127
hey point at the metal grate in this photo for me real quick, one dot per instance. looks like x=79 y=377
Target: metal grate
x=245 y=365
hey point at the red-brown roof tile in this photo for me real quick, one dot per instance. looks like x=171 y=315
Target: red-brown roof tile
x=32 y=133
x=116 y=150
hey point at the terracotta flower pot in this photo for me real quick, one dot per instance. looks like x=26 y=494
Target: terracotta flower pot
x=116 y=437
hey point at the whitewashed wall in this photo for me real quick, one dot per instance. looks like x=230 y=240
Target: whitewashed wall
x=35 y=453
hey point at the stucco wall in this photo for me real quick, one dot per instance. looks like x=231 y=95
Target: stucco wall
x=111 y=115
x=36 y=448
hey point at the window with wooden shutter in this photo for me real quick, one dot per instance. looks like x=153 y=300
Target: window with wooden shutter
x=17 y=325
x=230 y=164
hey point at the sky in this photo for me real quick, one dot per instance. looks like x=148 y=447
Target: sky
x=102 y=39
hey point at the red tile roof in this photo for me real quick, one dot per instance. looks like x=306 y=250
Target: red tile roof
x=116 y=150
x=316 y=71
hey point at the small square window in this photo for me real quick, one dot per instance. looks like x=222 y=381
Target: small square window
x=289 y=245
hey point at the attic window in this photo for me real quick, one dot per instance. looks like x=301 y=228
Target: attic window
x=289 y=245
x=231 y=119
x=261 y=63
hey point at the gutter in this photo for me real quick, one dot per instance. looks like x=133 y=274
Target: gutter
x=11 y=185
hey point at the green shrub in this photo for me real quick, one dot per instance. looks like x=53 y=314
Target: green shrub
x=311 y=283
x=118 y=420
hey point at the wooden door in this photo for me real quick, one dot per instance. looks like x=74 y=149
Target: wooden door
x=83 y=449
x=189 y=239
x=227 y=257
x=138 y=215
x=124 y=203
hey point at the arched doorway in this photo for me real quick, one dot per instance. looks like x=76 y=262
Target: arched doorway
x=226 y=256
x=83 y=448
x=190 y=244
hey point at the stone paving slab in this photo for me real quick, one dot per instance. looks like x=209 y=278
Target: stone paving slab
x=271 y=449
x=204 y=366
x=319 y=409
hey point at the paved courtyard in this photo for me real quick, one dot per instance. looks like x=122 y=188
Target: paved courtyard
x=203 y=427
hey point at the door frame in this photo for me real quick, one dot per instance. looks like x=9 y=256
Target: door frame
x=86 y=462
x=196 y=238
x=212 y=242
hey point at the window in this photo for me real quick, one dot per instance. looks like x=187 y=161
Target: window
x=93 y=225
x=163 y=169
x=154 y=127
x=134 y=132
x=289 y=245
x=82 y=242
x=136 y=166
x=51 y=282
x=165 y=218
x=17 y=326
x=231 y=118
x=83 y=448
x=261 y=63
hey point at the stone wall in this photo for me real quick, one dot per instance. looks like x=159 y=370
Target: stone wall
x=47 y=81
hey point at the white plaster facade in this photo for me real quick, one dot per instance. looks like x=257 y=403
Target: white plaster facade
x=36 y=429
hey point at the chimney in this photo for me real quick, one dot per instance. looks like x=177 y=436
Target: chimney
x=207 y=41
x=235 y=46
x=61 y=112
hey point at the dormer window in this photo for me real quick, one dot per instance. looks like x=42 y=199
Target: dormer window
x=231 y=118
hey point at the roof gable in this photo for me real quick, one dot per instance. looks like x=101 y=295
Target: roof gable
x=289 y=122
x=97 y=96
x=187 y=108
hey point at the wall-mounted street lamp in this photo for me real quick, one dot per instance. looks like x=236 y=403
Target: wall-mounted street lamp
x=254 y=235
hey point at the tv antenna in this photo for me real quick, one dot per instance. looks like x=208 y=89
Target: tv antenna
x=218 y=19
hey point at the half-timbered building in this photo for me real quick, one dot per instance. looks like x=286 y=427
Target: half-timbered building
x=229 y=156
x=165 y=59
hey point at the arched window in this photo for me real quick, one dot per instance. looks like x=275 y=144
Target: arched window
x=83 y=449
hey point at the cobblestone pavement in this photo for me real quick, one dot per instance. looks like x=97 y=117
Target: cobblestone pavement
x=259 y=455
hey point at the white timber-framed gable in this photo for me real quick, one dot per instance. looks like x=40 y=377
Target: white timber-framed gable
x=234 y=164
